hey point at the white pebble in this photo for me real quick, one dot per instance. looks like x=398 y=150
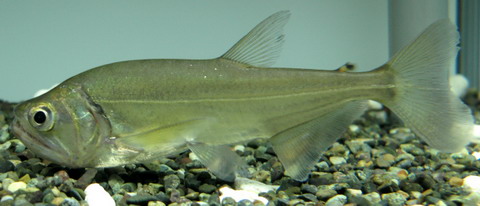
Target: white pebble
x=458 y=85
x=476 y=133
x=6 y=198
x=239 y=148
x=472 y=183
x=193 y=156
x=242 y=183
x=239 y=195
x=476 y=155
x=374 y=105
x=354 y=128
x=95 y=195
x=15 y=186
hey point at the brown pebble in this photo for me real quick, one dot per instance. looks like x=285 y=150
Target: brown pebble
x=427 y=192
x=402 y=174
x=455 y=181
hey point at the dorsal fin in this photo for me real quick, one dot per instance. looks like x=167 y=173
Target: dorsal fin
x=262 y=45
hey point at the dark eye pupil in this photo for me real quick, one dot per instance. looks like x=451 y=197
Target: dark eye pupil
x=40 y=117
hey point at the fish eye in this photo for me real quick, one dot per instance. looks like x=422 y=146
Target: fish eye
x=41 y=118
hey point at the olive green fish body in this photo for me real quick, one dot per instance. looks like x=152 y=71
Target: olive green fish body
x=216 y=101
x=140 y=110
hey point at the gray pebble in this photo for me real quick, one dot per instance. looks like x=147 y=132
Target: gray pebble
x=244 y=203
x=379 y=117
x=214 y=200
x=21 y=201
x=403 y=135
x=115 y=180
x=171 y=181
x=426 y=181
x=306 y=188
x=141 y=199
x=308 y=197
x=325 y=194
x=373 y=198
x=207 y=188
x=129 y=187
x=337 y=200
x=322 y=166
x=228 y=201
x=19 y=147
x=412 y=149
x=358 y=145
x=394 y=199
x=70 y=202
x=4 y=135
x=204 y=197
x=6 y=166
x=410 y=187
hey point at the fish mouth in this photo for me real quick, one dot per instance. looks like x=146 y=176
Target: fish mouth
x=33 y=141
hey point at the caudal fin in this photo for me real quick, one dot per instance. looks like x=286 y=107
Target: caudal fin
x=423 y=99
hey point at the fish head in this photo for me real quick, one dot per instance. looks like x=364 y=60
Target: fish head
x=63 y=126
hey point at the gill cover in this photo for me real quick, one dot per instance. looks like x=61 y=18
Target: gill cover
x=64 y=126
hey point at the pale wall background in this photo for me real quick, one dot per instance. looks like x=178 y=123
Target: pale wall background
x=46 y=42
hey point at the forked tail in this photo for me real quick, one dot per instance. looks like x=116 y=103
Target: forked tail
x=423 y=99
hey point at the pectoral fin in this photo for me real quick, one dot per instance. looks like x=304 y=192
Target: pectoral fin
x=219 y=159
x=299 y=147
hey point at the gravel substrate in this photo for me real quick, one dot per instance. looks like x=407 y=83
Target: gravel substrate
x=376 y=162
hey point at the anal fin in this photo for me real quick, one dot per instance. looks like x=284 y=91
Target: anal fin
x=300 y=147
x=219 y=159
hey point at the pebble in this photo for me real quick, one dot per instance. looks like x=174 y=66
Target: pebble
x=337 y=200
x=325 y=194
x=306 y=188
x=6 y=198
x=95 y=195
x=156 y=203
x=171 y=181
x=374 y=105
x=455 y=181
x=6 y=166
x=337 y=160
x=207 y=188
x=70 y=202
x=426 y=181
x=239 y=195
x=58 y=200
x=354 y=192
x=385 y=160
x=472 y=183
x=354 y=128
x=394 y=199
x=373 y=198
x=15 y=186
x=403 y=135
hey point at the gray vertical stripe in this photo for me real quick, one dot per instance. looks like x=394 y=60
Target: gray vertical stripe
x=470 y=41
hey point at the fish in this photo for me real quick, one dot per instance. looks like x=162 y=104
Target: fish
x=140 y=110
